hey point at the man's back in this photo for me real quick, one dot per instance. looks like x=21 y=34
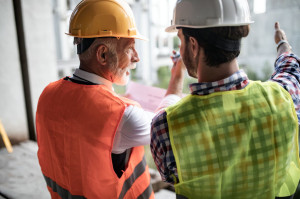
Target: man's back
x=76 y=125
x=236 y=144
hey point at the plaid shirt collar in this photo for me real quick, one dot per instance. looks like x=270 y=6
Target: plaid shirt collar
x=236 y=81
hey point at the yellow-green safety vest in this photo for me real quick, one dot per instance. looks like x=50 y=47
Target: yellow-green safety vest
x=236 y=144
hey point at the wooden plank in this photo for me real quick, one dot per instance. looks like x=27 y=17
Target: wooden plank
x=5 y=139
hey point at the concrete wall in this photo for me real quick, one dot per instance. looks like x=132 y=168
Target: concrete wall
x=259 y=48
x=12 y=104
x=40 y=46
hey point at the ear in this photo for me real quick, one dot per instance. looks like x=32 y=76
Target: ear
x=194 y=46
x=102 y=54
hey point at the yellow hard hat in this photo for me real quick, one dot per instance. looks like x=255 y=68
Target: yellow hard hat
x=103 y=18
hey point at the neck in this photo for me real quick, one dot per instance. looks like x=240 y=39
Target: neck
x=212 y=74
x=96 y=69
x=86 y=68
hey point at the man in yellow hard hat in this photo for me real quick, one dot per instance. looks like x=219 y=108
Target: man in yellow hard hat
x=231 y=138
x=90 y=139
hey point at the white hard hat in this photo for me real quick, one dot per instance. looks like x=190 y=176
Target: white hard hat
x=209 y=13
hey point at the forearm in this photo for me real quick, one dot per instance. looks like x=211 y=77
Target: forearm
x=283 y=48
x=281 y=41
x=175 y=85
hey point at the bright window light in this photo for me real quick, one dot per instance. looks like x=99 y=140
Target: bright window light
x=259 y=6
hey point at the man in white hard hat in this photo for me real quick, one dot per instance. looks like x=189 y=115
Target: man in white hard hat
x=90 y=139
x=231 y=138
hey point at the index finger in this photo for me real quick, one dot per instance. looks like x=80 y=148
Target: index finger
x=277 y=27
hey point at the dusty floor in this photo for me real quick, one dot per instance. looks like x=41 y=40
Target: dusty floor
x=20 y=176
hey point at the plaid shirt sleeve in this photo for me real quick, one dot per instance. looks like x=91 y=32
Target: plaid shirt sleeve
x=287 y=74
x=161 y=149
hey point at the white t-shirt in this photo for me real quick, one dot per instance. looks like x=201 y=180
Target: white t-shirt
x=134 y=128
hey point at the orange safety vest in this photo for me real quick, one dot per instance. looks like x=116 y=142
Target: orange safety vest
x=76 y=125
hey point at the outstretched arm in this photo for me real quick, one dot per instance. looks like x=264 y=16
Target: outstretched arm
x=287 y=68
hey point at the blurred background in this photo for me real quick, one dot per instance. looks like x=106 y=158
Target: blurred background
x=48 y=53
x=36 y=51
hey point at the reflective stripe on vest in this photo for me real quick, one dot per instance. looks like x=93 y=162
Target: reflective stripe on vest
x=138 y=171
x=236 y=144
x=63 y=193
x=147 y=193
x=75 y=152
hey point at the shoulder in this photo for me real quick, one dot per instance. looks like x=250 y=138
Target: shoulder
x=274 y=92
x=51 y=87
x=129 y=101
x=54 y=84
x=159 y=122
x=272 y=87
x=182 y=103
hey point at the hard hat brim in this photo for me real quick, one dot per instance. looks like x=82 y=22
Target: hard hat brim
x=174 y=28
x=138 y=36
x=141 y=37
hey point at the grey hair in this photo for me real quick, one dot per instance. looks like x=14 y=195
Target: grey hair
x=109 y=42
x=77 y=40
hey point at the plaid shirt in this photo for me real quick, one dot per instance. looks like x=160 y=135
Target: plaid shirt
x=287 y=74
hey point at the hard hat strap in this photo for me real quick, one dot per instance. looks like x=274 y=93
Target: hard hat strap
x=84 y=45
